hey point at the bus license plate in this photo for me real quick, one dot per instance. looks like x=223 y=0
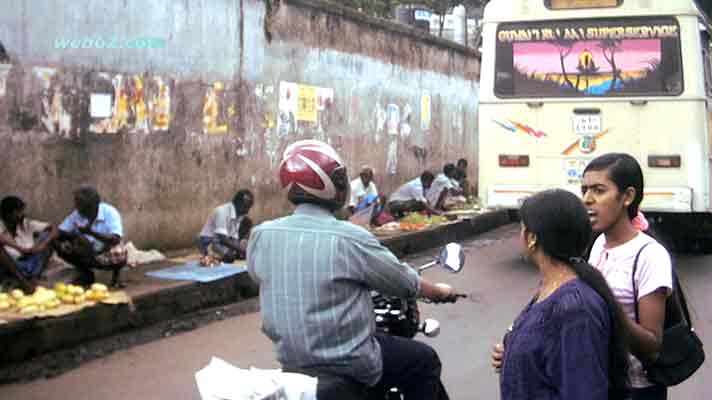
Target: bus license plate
x=587 y=124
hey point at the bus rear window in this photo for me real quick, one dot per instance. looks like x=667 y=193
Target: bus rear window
x=589 y=58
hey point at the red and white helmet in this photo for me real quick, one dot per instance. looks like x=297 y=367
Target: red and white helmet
x=312 y=172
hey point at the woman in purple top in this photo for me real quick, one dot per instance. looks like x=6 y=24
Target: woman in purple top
x=568 y=342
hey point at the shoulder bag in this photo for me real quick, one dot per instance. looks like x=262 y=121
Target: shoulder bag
x=682 y=352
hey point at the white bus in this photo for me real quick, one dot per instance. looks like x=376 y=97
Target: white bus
x=564 y=81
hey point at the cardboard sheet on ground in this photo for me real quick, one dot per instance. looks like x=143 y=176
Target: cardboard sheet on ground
x=118 y=297
x=193 y=271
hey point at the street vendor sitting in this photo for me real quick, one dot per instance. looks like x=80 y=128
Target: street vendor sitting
x=26 y=243
x=461 y=177
x=91 y=237
x=224 y=236
x=444 y=193
x=410 y=197
x=361 y=188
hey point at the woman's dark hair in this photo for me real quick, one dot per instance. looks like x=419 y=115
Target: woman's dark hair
x=563 y=231
x=625 y=172
x=9 y=205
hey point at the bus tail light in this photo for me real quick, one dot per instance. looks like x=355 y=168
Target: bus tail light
x=673 y=161
x=508 y=160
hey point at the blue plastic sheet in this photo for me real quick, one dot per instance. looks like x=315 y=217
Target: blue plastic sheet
x=192 y=271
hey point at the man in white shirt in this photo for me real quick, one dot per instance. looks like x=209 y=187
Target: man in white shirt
x=227 y=229
x=361 y=188
x=410 y=197
x=442 y=187
x=91 y=237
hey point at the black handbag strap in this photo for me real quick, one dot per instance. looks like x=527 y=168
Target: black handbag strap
x=677 y=291
x=681 y=297
x=632 y=278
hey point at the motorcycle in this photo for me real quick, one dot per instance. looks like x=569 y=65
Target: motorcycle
x=401 y=316
x=393 y=315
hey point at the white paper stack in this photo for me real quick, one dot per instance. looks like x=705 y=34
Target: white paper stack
x=220 y=380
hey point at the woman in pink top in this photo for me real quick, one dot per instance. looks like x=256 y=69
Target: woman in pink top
x=612 y=192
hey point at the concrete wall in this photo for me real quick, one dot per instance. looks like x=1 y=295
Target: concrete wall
x=215 y=93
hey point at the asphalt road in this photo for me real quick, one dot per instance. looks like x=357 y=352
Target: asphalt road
x=500 y=285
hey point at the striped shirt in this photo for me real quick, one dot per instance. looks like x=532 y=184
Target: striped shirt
x=315 y=275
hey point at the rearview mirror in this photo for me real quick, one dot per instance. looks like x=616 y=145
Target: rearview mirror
x=452 y=257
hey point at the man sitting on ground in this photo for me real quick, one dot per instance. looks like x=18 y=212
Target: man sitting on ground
x=224 y=236
x=443 y=189
x=461 y=177
x=362 y=189
x=26 y=244
x=91 y=237
x=410 y=197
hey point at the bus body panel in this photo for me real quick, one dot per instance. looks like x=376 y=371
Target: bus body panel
x=543 y=128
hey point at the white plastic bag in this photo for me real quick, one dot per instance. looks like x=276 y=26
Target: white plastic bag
x=220 y=380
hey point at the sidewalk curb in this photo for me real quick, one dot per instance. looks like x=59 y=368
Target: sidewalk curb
x=23 y=340
x=414 y=242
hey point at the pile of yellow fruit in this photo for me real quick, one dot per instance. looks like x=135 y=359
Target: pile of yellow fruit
x=420 y=219
x=42 y=299
x=71 y=294
x=46 y=299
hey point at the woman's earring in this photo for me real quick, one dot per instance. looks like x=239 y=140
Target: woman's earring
x=531 y=245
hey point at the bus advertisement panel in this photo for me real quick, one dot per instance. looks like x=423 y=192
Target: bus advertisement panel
x=589 y=58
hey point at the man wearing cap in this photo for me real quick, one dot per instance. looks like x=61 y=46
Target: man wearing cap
x=363 y=189
x=316 y=274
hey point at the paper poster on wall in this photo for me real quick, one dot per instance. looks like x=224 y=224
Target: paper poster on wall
x=288 y=100
x=109 y=123
x=425 y=110
x=4 y=70
x=139 y=108
x=100 y=105
x=392 y=164
x=55 y=117
x=288 y=93
x=324 y=98
x=214 y=112
x=137 y=104
x=160 y=106
x=306 y=106
x=392 y=119
x=45 y=75
x=405 y=128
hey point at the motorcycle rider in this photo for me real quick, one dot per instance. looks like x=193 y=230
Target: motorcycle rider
x=315 y=275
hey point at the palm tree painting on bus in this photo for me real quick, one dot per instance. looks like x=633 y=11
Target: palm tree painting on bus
x=586 y=67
